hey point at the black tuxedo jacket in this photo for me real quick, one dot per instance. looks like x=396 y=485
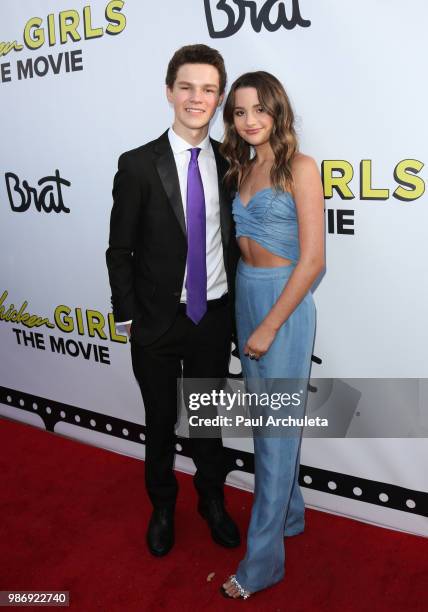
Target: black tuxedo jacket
x=147 y=250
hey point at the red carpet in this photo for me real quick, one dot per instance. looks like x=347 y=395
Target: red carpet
x=73 y=517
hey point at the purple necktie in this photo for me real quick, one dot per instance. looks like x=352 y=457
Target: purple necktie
x=196 y=282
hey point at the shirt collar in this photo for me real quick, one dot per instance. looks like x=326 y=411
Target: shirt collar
x=178 y=144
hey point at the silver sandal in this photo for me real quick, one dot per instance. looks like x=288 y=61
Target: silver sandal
x=243 y=593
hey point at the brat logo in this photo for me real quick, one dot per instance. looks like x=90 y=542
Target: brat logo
x=50 y=198
x=273 y=15
x=68 y=26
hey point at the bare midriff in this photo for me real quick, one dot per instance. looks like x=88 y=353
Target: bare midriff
x=253 y=254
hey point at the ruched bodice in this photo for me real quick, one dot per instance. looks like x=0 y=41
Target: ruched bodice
x=270 y=219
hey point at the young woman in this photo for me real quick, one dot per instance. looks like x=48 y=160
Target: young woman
x=279 y=215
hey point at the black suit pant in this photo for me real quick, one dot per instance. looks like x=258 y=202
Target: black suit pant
x=189 y=351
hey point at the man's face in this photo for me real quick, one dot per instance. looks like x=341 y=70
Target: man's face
x=195 y=96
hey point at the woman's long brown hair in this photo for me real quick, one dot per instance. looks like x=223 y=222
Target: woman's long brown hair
x=283 y=139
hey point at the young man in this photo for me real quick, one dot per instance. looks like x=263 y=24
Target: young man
x=171 y=261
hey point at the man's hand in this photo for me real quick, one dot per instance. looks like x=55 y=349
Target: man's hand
x=128 y=329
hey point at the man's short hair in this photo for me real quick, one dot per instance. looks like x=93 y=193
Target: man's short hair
x=196 y=54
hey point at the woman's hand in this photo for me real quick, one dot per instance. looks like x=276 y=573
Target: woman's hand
x=260 y=340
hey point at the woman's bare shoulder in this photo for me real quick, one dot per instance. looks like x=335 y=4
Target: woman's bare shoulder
x=306 y=175
x=304 y=168
x=302 y=162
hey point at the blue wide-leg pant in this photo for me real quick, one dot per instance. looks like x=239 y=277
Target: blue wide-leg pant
x=278 y=507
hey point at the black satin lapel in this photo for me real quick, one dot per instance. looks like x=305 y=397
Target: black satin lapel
x=167 y=170
x=225 y=208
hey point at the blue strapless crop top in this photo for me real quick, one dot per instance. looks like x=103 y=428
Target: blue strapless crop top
x=270 y=219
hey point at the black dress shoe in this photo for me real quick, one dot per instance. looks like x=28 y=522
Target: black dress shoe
x=223 y=529
x=160 y=534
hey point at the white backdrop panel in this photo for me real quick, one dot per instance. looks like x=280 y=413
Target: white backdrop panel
x=357 y=95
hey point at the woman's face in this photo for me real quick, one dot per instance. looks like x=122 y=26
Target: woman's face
x=251 y=120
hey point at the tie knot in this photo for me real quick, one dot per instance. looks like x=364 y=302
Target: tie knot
x=194 y=153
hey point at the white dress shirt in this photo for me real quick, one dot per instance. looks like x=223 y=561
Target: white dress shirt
x=216 y=273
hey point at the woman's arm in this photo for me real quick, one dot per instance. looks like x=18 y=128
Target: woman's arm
x=309 y=198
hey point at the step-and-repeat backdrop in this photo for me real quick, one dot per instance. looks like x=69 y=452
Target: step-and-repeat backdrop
x=81 y=82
